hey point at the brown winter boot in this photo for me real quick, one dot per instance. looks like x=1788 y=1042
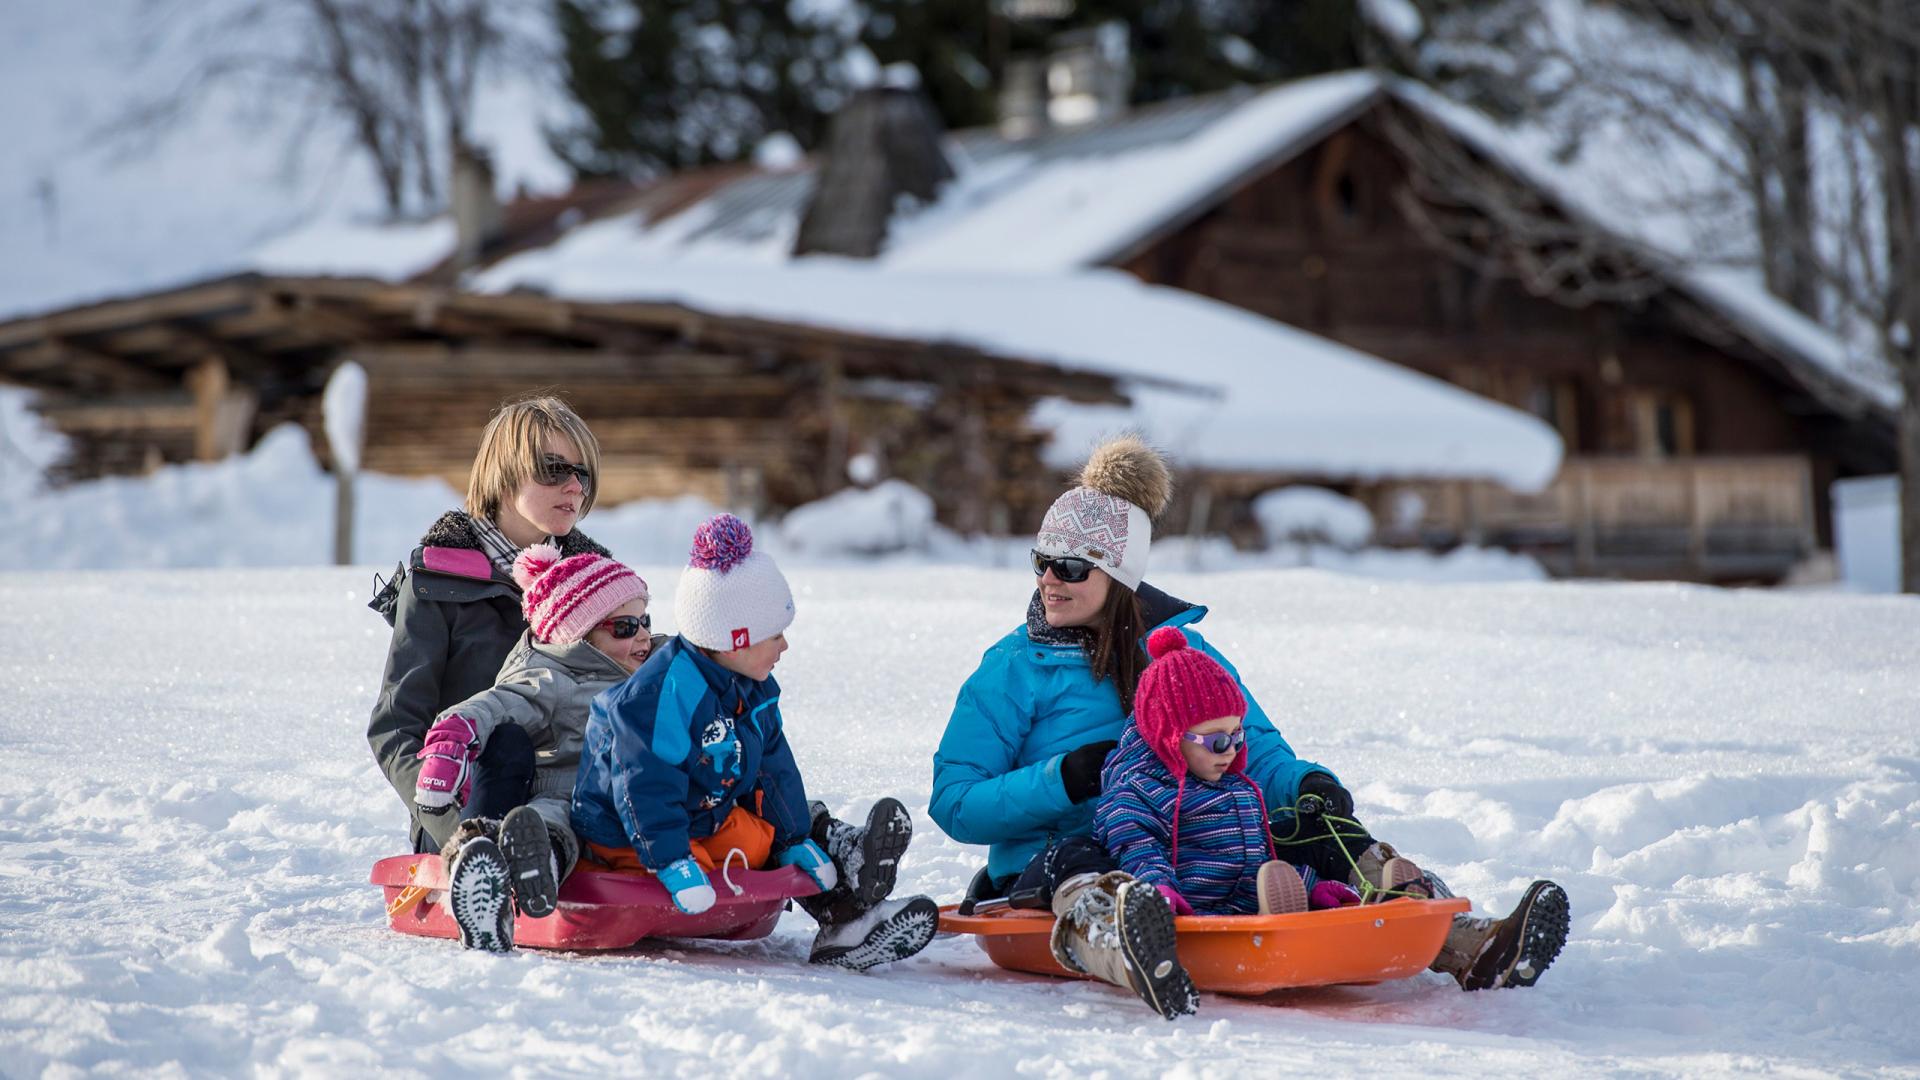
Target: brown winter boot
x=1382 y=874
x=1280 y=889
x=1483 y=954
x=1120 y=931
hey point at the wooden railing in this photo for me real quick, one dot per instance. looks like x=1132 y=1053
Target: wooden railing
x=1706 y=518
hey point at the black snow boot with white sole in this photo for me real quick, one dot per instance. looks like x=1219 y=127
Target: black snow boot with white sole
x=528 y=850
x=867 y=856
x=480 y=896
x=888 y=931
x=1485 y=954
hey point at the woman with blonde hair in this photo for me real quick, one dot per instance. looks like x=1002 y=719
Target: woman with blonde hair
x=456 y=612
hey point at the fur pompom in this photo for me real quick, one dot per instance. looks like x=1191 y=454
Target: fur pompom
x=534 y=561
x=1127 y=468
x=722 y=542
x=1167 y=639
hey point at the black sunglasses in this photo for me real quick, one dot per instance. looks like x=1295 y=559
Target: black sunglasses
x=1218 y=742
x=626 y=626
x=1068 y=568
x=554 y=471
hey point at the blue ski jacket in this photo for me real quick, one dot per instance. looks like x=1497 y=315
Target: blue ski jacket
x=670 y=751
x=996 y=775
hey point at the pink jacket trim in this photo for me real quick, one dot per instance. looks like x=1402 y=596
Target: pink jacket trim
x=464 y=562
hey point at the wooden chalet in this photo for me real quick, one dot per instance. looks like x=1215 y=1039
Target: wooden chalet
x=743 y=412
x=1695 y=447
x=1700 y=441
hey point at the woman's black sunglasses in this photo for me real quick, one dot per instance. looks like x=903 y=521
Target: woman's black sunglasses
x=554 y=471
x=626 y=626
x=1067 y=568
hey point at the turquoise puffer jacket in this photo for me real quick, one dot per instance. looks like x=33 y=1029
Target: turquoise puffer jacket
x=996 y=775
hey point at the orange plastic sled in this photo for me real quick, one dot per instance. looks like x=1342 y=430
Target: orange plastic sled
x=1252 y=954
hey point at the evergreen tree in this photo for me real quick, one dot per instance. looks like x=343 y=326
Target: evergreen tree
x=663 y=84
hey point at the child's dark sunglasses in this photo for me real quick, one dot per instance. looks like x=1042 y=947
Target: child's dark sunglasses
x=1218 y=742
x=1067 y=568
x=553 y=472
x=626 y=626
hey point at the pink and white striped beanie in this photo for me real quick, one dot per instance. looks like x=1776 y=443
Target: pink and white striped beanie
x=564 y=599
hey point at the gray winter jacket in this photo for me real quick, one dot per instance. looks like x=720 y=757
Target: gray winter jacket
x=547 y=690
x=454 y=620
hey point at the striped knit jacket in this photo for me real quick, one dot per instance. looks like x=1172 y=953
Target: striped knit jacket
x=1205 y=839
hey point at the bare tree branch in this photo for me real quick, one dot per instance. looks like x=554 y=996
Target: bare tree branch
x=400 y=77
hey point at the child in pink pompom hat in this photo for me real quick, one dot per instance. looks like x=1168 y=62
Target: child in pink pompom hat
x=1177 y=809
x=587 y=630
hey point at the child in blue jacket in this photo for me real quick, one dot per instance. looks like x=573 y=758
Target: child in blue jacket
x=687 y=766
x=1177 y=809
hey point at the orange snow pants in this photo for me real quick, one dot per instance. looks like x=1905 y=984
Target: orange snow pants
x=744 y=830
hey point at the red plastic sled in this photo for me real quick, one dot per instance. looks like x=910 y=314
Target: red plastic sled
x=1252 y=954
x=598 y=910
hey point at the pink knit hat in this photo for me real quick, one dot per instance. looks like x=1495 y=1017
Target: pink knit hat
x=1182 y=687
x=564 y=599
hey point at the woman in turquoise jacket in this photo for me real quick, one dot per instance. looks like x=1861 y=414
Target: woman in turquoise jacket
x=1033 y=713
x=1019 y=766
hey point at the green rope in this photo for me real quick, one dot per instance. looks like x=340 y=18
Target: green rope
x=1368 y=890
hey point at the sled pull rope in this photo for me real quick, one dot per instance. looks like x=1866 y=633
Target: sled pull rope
x=727 y=865
x=1313 y=805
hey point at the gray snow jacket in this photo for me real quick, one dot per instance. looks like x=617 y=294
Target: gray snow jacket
x=454 y=620
x=548 y=691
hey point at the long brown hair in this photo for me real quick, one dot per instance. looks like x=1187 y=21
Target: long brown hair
x=1116 y=652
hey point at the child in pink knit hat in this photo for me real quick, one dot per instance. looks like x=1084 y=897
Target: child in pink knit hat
x=587 y=630
x=1177 y=809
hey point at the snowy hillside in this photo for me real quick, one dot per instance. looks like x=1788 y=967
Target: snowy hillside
x=1727 y=783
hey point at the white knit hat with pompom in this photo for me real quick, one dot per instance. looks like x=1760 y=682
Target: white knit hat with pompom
x=730 y=596
x=1108 y=517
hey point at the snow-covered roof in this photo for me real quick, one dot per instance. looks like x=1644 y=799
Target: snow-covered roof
x=1737 y=293
x=1217 y=386
x=391 y=252
x=1085 y=197
x=1066 y=199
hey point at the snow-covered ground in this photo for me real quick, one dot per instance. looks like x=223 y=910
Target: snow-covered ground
x=1728 y=784
x=274 y=507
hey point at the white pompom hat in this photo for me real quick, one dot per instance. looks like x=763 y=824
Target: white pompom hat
x=1108 y=517
x=730 y=596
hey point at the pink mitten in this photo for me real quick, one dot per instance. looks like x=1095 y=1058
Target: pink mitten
x=1332 y=894
x=446 y=765
x=1174 y=900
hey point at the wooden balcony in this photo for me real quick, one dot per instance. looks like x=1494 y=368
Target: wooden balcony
x=1724 y=519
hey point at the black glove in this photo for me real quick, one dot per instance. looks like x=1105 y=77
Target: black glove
x=1338 y=800
x=1080 y=769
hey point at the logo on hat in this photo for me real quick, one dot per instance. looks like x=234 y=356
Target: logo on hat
x=742 y=639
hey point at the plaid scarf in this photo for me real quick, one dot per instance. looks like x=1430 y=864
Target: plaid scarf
x=500 y=550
